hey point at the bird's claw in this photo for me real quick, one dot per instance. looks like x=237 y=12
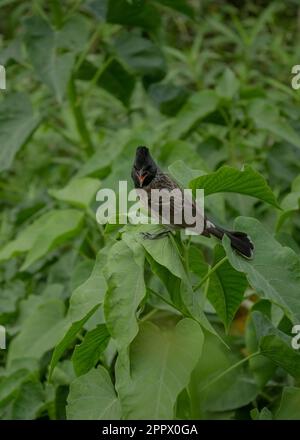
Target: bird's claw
x=149 y=236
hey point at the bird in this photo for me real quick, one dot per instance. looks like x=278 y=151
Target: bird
x=148 y=176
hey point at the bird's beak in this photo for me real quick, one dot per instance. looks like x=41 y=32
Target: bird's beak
x=141 y=178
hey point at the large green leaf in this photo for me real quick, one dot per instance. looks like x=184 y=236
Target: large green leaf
x=235 y=389
x=69 y=336
x=40 y=332
x=10 y=384
x=140 y=55
x=52 y=53
x=26 y=238
x=60 y=226
x=262 y=367
x=266 y=116
x=90 y=293
x=289 y=405
x=290 y=203
x=79 y=192
x=228 y=85
x=86 y=355
x=113 y=78
x=92 y=397
x=17 y=123
x=165 y=252
x=161 y=365
x=126 y=289
x=183 y=174
x=276 y=345
x=228 y=179
x=226 y=288
x=274 y=270
x=168 y=97
x=29 y=402
x=198 y=106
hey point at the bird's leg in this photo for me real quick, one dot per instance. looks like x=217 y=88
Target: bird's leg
x=154 y=236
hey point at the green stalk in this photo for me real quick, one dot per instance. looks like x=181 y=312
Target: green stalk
x=95 y=78
x=79 y=118
x=210 y=272
x=242 y=361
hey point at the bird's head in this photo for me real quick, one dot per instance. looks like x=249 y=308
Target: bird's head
x=144 y=168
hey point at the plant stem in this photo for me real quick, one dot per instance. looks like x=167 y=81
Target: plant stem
x=183 y=313
x=88 y=48
x=210 y=272
x=149 y=315
x=166 y=301
x=79 y=118
x=242 y=361
x=95 y=78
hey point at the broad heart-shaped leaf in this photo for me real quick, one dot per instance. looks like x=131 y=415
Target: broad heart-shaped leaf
x=262 y=367
x=233 y=390
x=198 y=106
x=17 y=123
x=26 y=238
x=52 y=67
x=168 y=97
x=183 y=174
x=164 y=251
x=10 y=384
x=276 y=345
x=228 y=179
x=161 y=364
x=140 y=55
x=226 y=288
x=289 y=405
x=59 y=227
x=171 y=151
x=228 y=84
x=79 y=192
x=86 y=355
x=30 y=400
x=84 y=302
x=292 y=200
x=52 y=53
x=90 y=293
x=113 y=79
x=274 y=270
x=40 y=331
x=68 y=337
x=290 y=203
x=126 y=289
x=266 y=116
x=92 y=397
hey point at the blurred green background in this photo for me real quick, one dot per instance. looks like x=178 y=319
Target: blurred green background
x=203 y=84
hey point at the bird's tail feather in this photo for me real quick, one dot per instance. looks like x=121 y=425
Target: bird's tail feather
x=240 y=241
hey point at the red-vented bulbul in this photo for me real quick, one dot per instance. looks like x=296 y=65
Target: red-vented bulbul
x=148 y=176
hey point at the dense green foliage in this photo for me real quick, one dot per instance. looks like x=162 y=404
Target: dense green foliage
x=100 y=323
